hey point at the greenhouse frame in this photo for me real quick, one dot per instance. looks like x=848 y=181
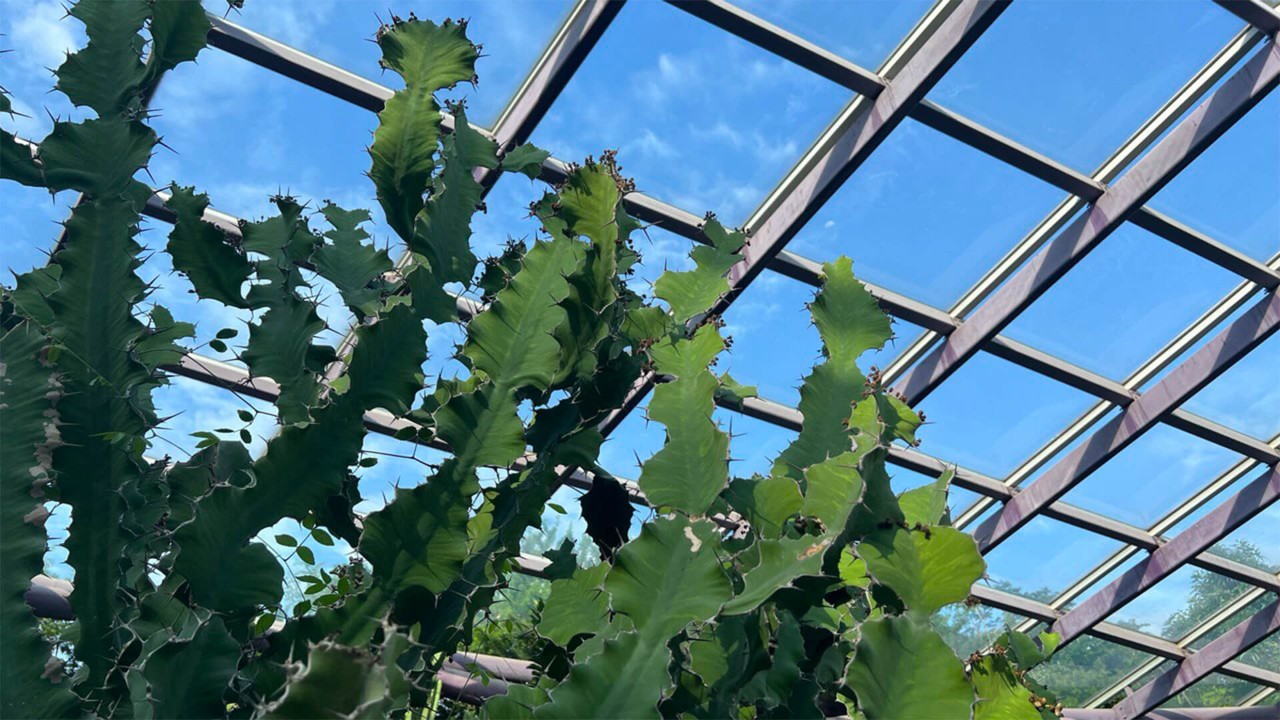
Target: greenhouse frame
x=1093 y=205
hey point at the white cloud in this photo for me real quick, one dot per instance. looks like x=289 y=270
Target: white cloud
x=41 y=35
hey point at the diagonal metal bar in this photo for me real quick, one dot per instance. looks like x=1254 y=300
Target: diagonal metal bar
x=864 y=126
x=566 y=52
x=1183 y=144
x=1255 y=12
x=1206 y=626
x=1153 y=366
x=1187 y=96
x=843 y=72
x=1208 y=713
x=1128 y=637
x=1082 y=585
x=1205 y=661
x=304 y=68
x=1233 y=343
x=858 y=131
x=1200 y=536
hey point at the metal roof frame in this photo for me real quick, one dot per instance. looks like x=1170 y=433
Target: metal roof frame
x=885 y=99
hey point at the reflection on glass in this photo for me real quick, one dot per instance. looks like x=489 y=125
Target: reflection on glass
x=1075 y=79
x=1085 y=668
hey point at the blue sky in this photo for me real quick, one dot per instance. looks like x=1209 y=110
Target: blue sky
x=707 y=122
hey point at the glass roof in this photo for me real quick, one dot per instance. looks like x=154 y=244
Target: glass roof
x=705 y=120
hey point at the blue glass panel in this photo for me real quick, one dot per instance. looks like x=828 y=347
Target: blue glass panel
x=1075 y=79
x=864 y=31
x=1178 y=603
x=513 y=33
x=992 y=414
x=701 y=119
x=1045 y=557
x=926 y=215
x=1232 y=191
x=1150 y=477
x=1122 y=303
x=1246 y=396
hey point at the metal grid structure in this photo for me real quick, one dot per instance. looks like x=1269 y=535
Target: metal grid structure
x=1216 y=97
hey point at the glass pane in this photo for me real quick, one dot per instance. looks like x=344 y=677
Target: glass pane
x=926 y=215
x=992 y=414
x=1075 y=79
x=513 y=33
x=634 y=441
x=701 y=119
x=400 y=465
x=1085 y=668
x=864 y=31
x=1216 y=690
x=775 y=343
x=1245 y=160
x=1154 y=670
x=1246 y=396
x=1256 y=543
x=1178 y=603
x=1122 y=303
x=1265 y=652
x=1152 y=476
x=1045 y=557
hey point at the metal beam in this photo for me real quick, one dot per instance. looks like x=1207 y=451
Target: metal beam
x=1233 y=343
x=1235 y=473
x=838 y=70
x=1146 y=135
x=562 y=57
x=1199 y=537
x=1225 y=713
x=1120 y=635
x=1208 y=659
x=1255 y=12
x=302 y=67
x=1206 y=626
x=861 y=128
x=916 y=461
x=1148 y=175
x=1145 y=373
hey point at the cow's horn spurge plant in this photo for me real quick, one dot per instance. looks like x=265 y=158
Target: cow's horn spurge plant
x=818 y=603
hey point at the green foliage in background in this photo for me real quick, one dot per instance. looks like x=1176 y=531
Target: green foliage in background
x=807 y=592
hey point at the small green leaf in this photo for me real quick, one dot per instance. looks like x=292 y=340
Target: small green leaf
x=218 y=346
x=557 y=508
x=227 y=333
x=264 y=623
x=307 y=556
x=302 y=608
x=286 y=540
x=245 y=436
x=322 y=537
x=245 y=415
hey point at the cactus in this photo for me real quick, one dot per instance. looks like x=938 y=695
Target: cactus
x=820 y=601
